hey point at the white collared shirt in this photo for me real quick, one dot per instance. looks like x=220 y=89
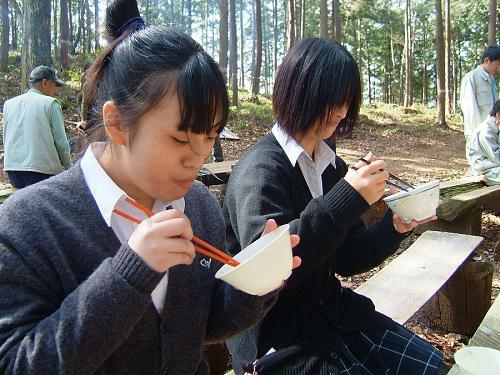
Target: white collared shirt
x=311 y=169
x=109 y=196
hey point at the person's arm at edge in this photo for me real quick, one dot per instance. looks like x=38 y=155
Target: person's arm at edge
x=59 y=134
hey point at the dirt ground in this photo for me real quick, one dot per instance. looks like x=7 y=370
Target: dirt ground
x=416 y=152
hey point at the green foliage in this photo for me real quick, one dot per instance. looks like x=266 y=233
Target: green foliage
x=250 y=112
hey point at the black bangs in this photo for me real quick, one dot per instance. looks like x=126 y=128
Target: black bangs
x=202 y=96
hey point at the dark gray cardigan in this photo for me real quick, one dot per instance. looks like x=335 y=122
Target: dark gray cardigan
x=333 y=240
x=73 y=301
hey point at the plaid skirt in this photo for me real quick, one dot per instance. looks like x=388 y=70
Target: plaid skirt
x=395 y=351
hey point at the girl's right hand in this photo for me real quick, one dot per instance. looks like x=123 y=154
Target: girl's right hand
x=164 y=240
x=368 y=179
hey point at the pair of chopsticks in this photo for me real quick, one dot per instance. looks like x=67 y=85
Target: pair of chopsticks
x=208 y=249
x=406 y=185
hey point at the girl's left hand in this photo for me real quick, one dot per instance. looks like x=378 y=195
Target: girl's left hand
x=403 y=227
x=294 y=240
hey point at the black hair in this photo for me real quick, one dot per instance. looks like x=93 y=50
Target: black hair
x=495 y=109
x=316 y=75
x=492 y=53
x=122 y=16
x=138 y=69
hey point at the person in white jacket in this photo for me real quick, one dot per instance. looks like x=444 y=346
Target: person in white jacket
x=483 y=147
x=479 y=91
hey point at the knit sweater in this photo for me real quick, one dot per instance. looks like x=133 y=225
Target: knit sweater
x=75 y=301
x=333 y=239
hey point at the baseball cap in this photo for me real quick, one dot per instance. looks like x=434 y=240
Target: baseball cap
x=44 y=72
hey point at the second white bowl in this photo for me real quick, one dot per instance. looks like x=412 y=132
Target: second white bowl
x=418 y=204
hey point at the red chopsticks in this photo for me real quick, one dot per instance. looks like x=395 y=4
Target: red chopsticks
x=209 y=250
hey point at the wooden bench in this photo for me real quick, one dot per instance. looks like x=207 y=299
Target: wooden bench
x=403 y=286
x=211 y=174
x=461 y=213
x=216 y=173
x=488 y=333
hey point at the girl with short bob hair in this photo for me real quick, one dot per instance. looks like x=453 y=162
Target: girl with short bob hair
x=83 y=289
x=291 y=175
x=315 y=79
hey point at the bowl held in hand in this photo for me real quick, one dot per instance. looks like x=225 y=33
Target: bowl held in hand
x=264 y=264
x=418 y=204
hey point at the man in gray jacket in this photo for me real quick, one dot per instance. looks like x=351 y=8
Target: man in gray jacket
x=34 y=137
x=483 y=147
x=479 y=91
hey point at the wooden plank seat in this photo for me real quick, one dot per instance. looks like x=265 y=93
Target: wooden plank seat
x=488 y=333
x=216 y=173
x=210 y=174
x=402 y=287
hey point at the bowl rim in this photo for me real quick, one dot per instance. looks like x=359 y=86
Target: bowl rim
x=421 y=188
x=227 y=270
x=462 y=352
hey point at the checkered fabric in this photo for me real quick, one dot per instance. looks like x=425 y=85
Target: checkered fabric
x=388 y=352
x=391 y=352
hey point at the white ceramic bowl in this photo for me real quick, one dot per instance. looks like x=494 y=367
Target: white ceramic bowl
x=264 y=264
x=419 y=203
x=476 y=360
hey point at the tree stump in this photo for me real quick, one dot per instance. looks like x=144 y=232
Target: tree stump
x=467 y=223
x=463 y=301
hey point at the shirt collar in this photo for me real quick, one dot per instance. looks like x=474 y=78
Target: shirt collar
x=104 y=190
x=323 y=154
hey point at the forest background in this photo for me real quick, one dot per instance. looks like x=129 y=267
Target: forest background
x=409 y=51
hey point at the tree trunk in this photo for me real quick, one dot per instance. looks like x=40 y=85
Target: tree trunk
x=242 y=47
x=424 y=86
x=234 y=53
x=4 y=54
x=323 y=19
x=64 y=25
x=189 y=16
x=492 y=23
x=258 y=49
x=291 y=23
x=441 y=120
x=368 y=70
x=447 y=57
x=88 y=35
x=71 y=33
x=336 y=20
x=55 y=23
x=275 y=35
x=223 y=38
x=97 y=31
x=37 y=44
x=360 y=51
x=424 y=73
x=81 y=21
x=265 y=50
x=303 y=19
x=14 y=29
x=408 y=58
